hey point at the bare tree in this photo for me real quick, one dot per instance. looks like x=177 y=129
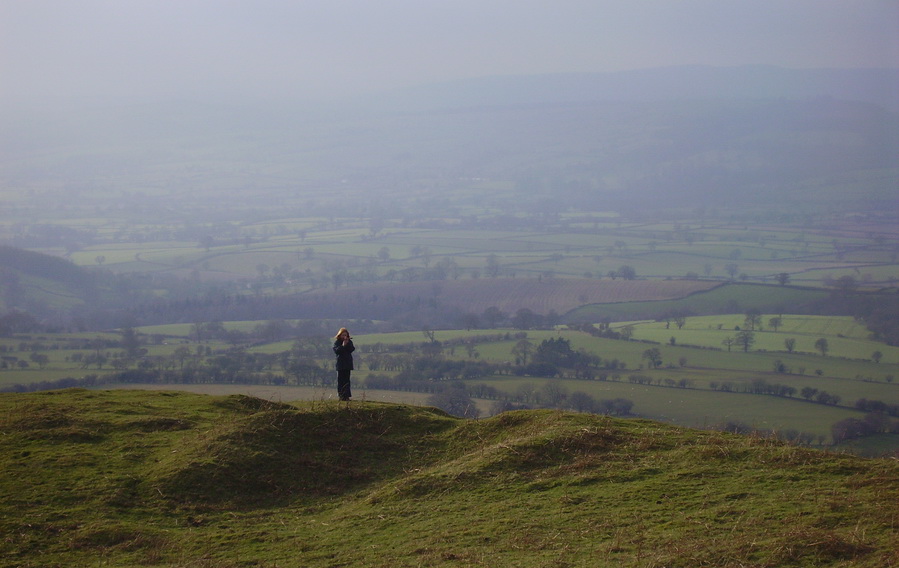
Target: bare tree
x=775 y=323
x=745 y=339
x=731 y=269
x=493 y=266
x=753 y=319
x=522 y=351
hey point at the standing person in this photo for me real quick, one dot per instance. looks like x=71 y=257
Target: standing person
x=343 y=348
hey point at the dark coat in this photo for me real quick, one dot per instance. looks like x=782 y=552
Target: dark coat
x=344 y=355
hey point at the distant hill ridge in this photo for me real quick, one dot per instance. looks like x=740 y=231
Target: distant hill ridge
x=166 y=478
x=20 y=287
x=877 y=86
x=43 y=265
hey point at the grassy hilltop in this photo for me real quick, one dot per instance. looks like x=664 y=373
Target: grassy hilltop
x=122 y=478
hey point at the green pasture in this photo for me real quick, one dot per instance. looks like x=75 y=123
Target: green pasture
x=287 y=223
x=579 y=242
x=470 y=261
x=50 y=293
x=887 y=272
x=847 y=378
x=721 y=251
x=405 y=337
x=773 y=233
x=61 y=364
x=697 y=408
x=472 y=241
x=655 y=250
x=173 y=329
x=850 y=380
x=867 y=254
x=796 y=268
x=121 y=253
x=855 y=379
x=361 y=252
x=345 y=230
x=881 y=273
x=876 y=445
x=806 y=329
x=185 y=329
x=273 y=348
x=245 y=262
x=536 y=265
x=57 y=339
x=31 y=375
x=839 y=326
x=581 y=251
x=846 y=337
x=728 y=298
x=848 y=389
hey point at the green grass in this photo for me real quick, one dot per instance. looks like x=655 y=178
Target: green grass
x=133 y=478
x=703 y=408
x=730 y=298
x=655 y=250
x=185 y=330
x=877 y=445
x=845 y=336
x=729 y=364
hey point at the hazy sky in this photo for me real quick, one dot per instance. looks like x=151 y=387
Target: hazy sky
x=316 y=48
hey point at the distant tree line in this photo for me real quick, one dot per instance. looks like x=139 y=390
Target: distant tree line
x=880 y=419
x=881 y=316
x=872 y=424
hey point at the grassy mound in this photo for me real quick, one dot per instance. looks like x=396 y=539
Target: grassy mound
x=134 y=478
x=278 y=453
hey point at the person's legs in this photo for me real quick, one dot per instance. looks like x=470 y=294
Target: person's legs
x=343 y=384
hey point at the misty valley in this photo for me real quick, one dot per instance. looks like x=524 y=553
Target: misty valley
x=720 y=262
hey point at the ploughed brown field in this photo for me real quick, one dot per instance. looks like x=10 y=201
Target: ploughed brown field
x=511 y=294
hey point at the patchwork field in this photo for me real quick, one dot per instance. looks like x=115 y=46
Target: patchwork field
x=698 y=383
x=541 y=296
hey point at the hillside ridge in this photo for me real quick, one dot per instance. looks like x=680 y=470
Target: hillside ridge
x=877 y=86
x=176 y=479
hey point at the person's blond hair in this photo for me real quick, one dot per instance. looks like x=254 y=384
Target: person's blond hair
x=341 y=331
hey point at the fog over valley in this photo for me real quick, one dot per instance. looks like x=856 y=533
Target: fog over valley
x=599 y=104
x=577 y=142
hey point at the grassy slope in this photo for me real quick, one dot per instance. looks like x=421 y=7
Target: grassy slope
x=127 y=478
